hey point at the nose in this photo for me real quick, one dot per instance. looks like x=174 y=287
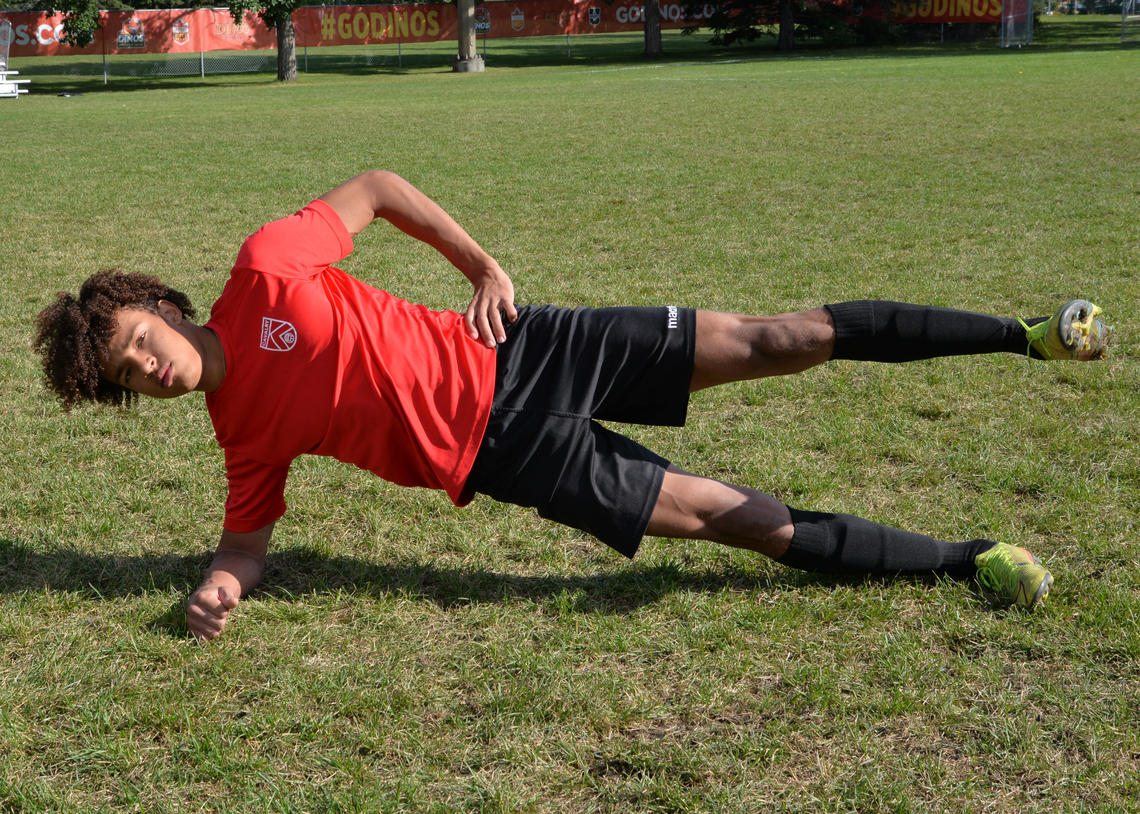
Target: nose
x=145 y=364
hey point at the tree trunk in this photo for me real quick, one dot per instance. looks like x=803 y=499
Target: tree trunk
x=787 y=25
x=286 y=50
x=653 y=29
x=468 y=59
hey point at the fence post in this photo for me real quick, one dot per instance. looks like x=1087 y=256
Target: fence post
x=202 y=62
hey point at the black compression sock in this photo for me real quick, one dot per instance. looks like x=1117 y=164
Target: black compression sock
x=844 y=544
x=883 y=331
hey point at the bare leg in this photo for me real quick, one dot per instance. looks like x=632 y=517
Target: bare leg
x=729 y=348
x=695 y=507
x=734 y=347
x=691 y=506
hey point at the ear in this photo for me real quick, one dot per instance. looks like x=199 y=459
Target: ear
x=170 y=312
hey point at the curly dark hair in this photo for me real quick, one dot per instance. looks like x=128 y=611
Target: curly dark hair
x=72 y=334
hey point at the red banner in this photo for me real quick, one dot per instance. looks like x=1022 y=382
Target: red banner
x=947 y=11
x=193 y=30
x=356 y=25
x=143 y=32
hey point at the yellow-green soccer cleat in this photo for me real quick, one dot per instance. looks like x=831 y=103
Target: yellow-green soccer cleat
x=1014 y=574
x=1073 y=332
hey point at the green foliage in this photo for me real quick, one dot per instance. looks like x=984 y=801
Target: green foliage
x=272 y=12
x=81 y=17
x=745 y=21
x=736 y=21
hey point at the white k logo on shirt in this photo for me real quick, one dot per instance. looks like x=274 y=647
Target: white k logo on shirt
x=277 y=334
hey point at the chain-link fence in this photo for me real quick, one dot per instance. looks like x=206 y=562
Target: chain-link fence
x=1130 y=20
x=388 y=57
x=1016 y=23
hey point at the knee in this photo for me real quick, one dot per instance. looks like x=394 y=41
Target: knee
x=752 y=522
x=696 y=507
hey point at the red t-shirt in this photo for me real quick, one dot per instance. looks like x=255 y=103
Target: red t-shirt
x=318 y=362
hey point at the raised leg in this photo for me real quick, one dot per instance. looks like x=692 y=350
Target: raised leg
x=734 y=347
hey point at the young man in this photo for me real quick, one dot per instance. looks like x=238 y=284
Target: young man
x=298 y=357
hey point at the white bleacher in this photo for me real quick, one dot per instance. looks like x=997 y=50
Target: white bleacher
x=9 y=87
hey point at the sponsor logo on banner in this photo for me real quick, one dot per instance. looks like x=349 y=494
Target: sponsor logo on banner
x=227 y=29
x=670 y=12
x=181 y=31
x=595 y=15
x=277 y=334
x=131 y=35
x=482 y=21
x=518 y=19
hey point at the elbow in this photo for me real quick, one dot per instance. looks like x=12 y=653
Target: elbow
x=383 y=178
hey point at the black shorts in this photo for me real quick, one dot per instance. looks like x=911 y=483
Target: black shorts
x=558 y=371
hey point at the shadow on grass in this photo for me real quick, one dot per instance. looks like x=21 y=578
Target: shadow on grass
x=293 y=573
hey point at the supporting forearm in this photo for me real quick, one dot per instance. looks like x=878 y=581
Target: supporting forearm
x=237 y=567
x=238 y=572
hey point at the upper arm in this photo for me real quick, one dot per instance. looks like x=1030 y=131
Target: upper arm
x=358 y=199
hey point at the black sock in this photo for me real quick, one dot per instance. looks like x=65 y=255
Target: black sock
x=883 y=331
x=844 y=544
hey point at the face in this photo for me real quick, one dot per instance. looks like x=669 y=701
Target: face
x=154 y=354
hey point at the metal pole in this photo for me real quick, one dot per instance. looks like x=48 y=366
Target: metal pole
x=568 y=45
x=202 y=62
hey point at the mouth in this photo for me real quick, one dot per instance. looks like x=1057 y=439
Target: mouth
x=167 y=376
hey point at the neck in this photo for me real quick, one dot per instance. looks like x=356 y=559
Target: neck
x=213 y=360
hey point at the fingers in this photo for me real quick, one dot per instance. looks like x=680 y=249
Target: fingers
x=494 y=296
x=484 y=319
x=207 y=611
x=227 y=601
x=478 y=324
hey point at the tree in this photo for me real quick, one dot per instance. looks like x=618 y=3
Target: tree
x=740 y=20
x=81 y=21
x=653 y=28
x=80 y=17
x=278 y=15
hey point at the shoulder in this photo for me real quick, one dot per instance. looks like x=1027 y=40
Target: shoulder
x=303 y=243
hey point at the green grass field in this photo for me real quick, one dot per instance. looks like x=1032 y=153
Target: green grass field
x=406 y=655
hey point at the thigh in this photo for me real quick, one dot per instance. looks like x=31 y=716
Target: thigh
x=733 y=347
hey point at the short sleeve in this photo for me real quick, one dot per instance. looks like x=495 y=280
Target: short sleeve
x=256 y=493
x=301 y=245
